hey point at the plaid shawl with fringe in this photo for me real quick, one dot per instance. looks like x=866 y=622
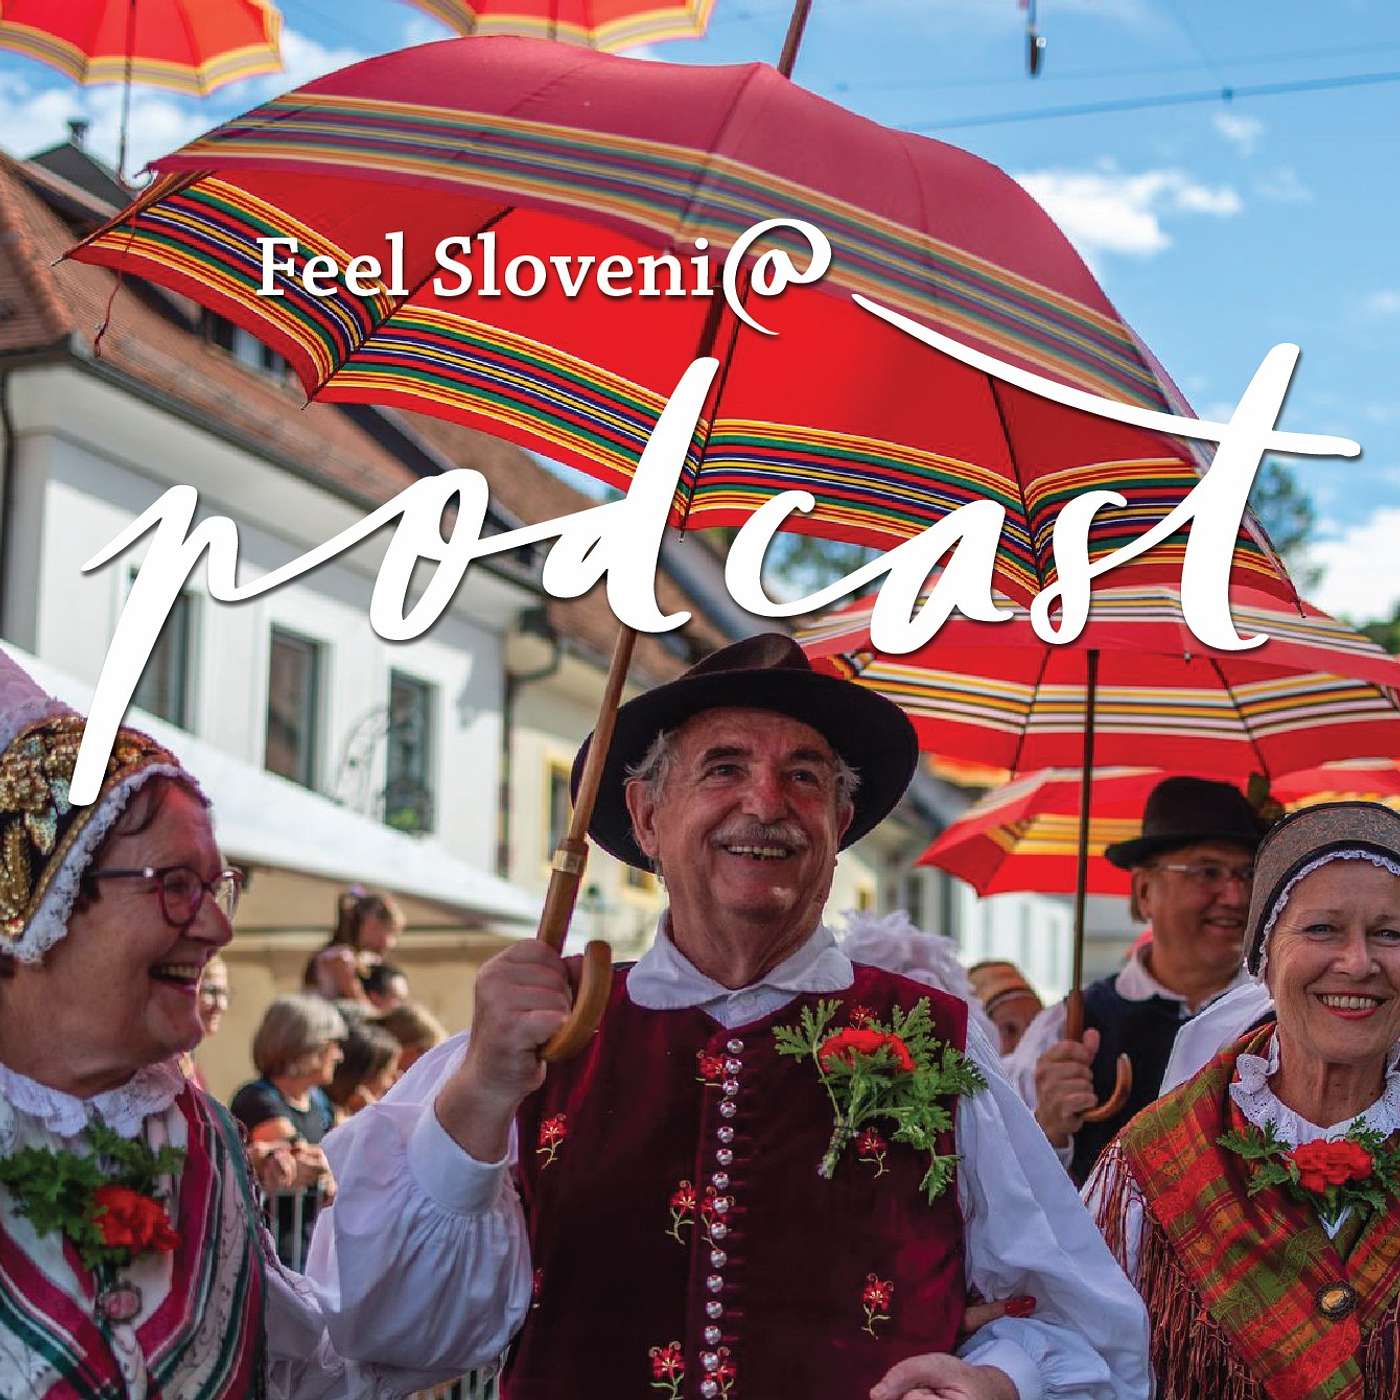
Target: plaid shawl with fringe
x=1231 y=1282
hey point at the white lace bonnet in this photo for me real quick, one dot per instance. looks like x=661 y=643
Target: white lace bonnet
x=45 y=841
x=1305 y=841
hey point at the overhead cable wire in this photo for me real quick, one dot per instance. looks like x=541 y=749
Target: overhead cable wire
x=1166 y=99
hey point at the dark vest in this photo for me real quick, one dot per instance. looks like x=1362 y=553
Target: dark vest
x=684 y=1246
x=1145 y=1031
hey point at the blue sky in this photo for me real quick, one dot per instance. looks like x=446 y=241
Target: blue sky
x=1219 y=229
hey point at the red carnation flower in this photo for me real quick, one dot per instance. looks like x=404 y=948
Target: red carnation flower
x=854 y=1040
x=708 y=1067
x=1323 y=1164
x=127 y=1219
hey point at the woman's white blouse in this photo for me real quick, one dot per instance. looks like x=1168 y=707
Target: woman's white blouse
x=376 y=1284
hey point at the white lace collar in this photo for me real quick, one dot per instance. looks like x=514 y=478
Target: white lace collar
x=152 y=1089
x=1260 y=1105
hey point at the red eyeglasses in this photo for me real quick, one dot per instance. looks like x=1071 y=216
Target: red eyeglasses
x=181 y=891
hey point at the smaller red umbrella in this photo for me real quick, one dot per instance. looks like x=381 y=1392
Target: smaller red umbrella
x=1356 y=780
x=1025 y=836
x=597 y=24
x=191 y=46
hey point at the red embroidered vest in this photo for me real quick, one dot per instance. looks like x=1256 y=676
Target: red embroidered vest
x=683 y=1242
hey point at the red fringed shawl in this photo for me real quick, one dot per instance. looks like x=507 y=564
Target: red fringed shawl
x=1232 y=1282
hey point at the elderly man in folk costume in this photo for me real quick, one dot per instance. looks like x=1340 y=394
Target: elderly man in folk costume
x=1191 y=870
x=134 y=1262
x=773 y=1172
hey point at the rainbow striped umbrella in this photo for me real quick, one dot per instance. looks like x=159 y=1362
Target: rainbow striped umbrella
x=597 y=24
x=1024 y=835
x=1137 y=689
x=546 y=155
x=1315 y=692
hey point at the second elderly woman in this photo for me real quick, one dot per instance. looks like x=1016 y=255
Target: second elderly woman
x=1257 y=1206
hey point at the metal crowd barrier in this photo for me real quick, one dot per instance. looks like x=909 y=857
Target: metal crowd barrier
x=290 y=1217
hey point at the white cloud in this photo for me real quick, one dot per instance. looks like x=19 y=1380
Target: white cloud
x=304 y=58
x=1283 y=186
x=1383 y=303
x=1362 y=578
x=1106 y=210
x=1241 y=132
x=425 y=29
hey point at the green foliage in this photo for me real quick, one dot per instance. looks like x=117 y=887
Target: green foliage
x=54 y=1190
x=1286 y=513
x=1385 y=633
x=865 y=1088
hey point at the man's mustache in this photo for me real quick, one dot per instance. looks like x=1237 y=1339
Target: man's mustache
x=752 y=833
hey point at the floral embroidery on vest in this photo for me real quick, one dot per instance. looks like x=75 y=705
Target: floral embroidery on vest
x=860 y=1015
x=682 y=1210
x=553 y=1131
x=668 y=1369
x=871 y=1147
x=723 y=1375
x=709 y=1069
x=536 y=1284
x=875 y=1299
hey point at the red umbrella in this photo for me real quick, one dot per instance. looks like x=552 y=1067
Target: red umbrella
x=1137 y=689
x=1316 y=691
x=1358 y=780
x=554 y=152
x=1025 y=836
x=597 y=24
x=189 y=46
x=537 y=150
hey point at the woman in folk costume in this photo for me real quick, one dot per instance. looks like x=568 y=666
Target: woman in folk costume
x=133 y=1261
x=1257 y=1205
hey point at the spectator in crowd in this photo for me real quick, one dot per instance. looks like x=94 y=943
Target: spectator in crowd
x=1007 y=998
x=386 y=986
x=416 y=1029
x=296 y=1050
x=367 y=1070
x=367 y=926
x=213 y=1002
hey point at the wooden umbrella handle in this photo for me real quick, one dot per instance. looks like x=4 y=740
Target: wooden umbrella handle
x=1123 y=1081
x=566 y=873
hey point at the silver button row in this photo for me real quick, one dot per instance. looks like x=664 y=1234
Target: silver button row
x=724 y=1157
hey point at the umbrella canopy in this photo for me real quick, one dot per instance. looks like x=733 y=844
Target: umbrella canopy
x=1314 y=692
x=190 y=46
x=597 y=24
x=1358 y=780
x=1025 y=836
x=540 y=152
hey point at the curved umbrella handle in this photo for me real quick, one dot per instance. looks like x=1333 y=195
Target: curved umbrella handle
x=590 y=1001
x=1123 y=1081
x=1113 y=1104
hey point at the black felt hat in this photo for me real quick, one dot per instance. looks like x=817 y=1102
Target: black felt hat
x=767 y=672
x=1182 y=811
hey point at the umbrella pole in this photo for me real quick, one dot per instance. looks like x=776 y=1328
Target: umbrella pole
x=126 y=91
x=800 y=10
x=1074 y=1009
x=566 y=872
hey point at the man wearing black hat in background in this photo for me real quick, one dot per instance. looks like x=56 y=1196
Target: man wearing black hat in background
x=653 y=1208
x=1191 y=873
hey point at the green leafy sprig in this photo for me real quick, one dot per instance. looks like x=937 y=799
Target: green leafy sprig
x=1276 y=1167
x=55 y=1190
x=864 y=1087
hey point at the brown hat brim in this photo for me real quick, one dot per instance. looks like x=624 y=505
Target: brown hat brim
x=870 y=732
x=1128 y=855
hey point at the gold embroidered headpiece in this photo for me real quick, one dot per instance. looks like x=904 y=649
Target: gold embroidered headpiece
x=45 y=841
